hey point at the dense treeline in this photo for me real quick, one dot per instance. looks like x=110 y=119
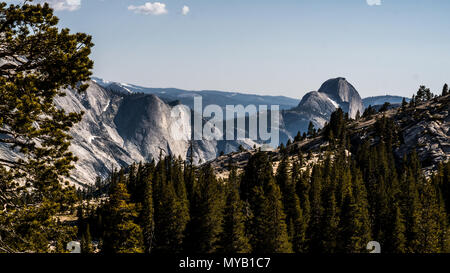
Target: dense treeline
x=356 y=191
x=336 y=200
x=337 y=205
x=38 y=60
x=360 y=192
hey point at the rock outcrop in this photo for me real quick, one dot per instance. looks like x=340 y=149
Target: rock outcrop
x=119 y=129
x=317 y=107
x=424 y=129
x=340 y=92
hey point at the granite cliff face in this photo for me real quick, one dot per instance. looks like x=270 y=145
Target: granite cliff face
x=427 y=129
x=317 y=107
x=119 y=129
x=122 y=126
x=424 y=129
x=341 y=92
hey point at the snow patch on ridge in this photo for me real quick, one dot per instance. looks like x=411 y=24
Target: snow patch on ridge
x=334 y=103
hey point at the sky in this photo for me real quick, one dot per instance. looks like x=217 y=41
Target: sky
x=283 y=47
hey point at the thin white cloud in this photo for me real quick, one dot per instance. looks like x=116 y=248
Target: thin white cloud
x=185 y=10
x=373 y=2
x=149 y=8
x=69 y=5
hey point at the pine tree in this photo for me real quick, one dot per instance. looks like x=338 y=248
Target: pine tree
x=122 y=234
x=207 y=207
x=132 y=183
x=303 y=192
x=282 y=176
x=398 y=239
x=180 y=188
x=426 y=227
x=381 y=213
x=413 y=102
x=148 y=222
x=369 y=112
x=404 y=103
x=362 y=224
x=445 y=90
x=423 y=94
x=443 y=176
x=329 y=223
x=385 y=107
x=295 y=221
x=311 y=129
x=170 y=215
x=440 y=182
x=428 y=235
x=234 y=238
x=354 y=226
x=336 y=127
x=267 y=230
x=39 y=59
x=444 y=230
x=314 y=228
x=278 y=240
x=241 y=148
x=358 y=115
x=189 y=172
x=410 y=207
x=258 y=172
x=86 y=241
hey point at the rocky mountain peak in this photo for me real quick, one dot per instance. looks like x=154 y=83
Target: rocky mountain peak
x=339 y=89
x=337 y=92
x=424 y=129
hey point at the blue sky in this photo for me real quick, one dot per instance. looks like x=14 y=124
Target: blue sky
x=284 y=47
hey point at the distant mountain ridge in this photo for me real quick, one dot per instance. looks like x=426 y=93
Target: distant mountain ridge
x=295 y=115
x=185 y=97
x=424 y=129
x=317 y=107
x=125 y=123
x=119 y=129
x=380 y=100
x=223 y=98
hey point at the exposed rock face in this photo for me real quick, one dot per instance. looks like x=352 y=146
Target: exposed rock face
x=424 y=129
x=341 y=92
x=427 y=130
x=317 y=107
x=119 y=129
x=96 y=140
x=146 y=125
